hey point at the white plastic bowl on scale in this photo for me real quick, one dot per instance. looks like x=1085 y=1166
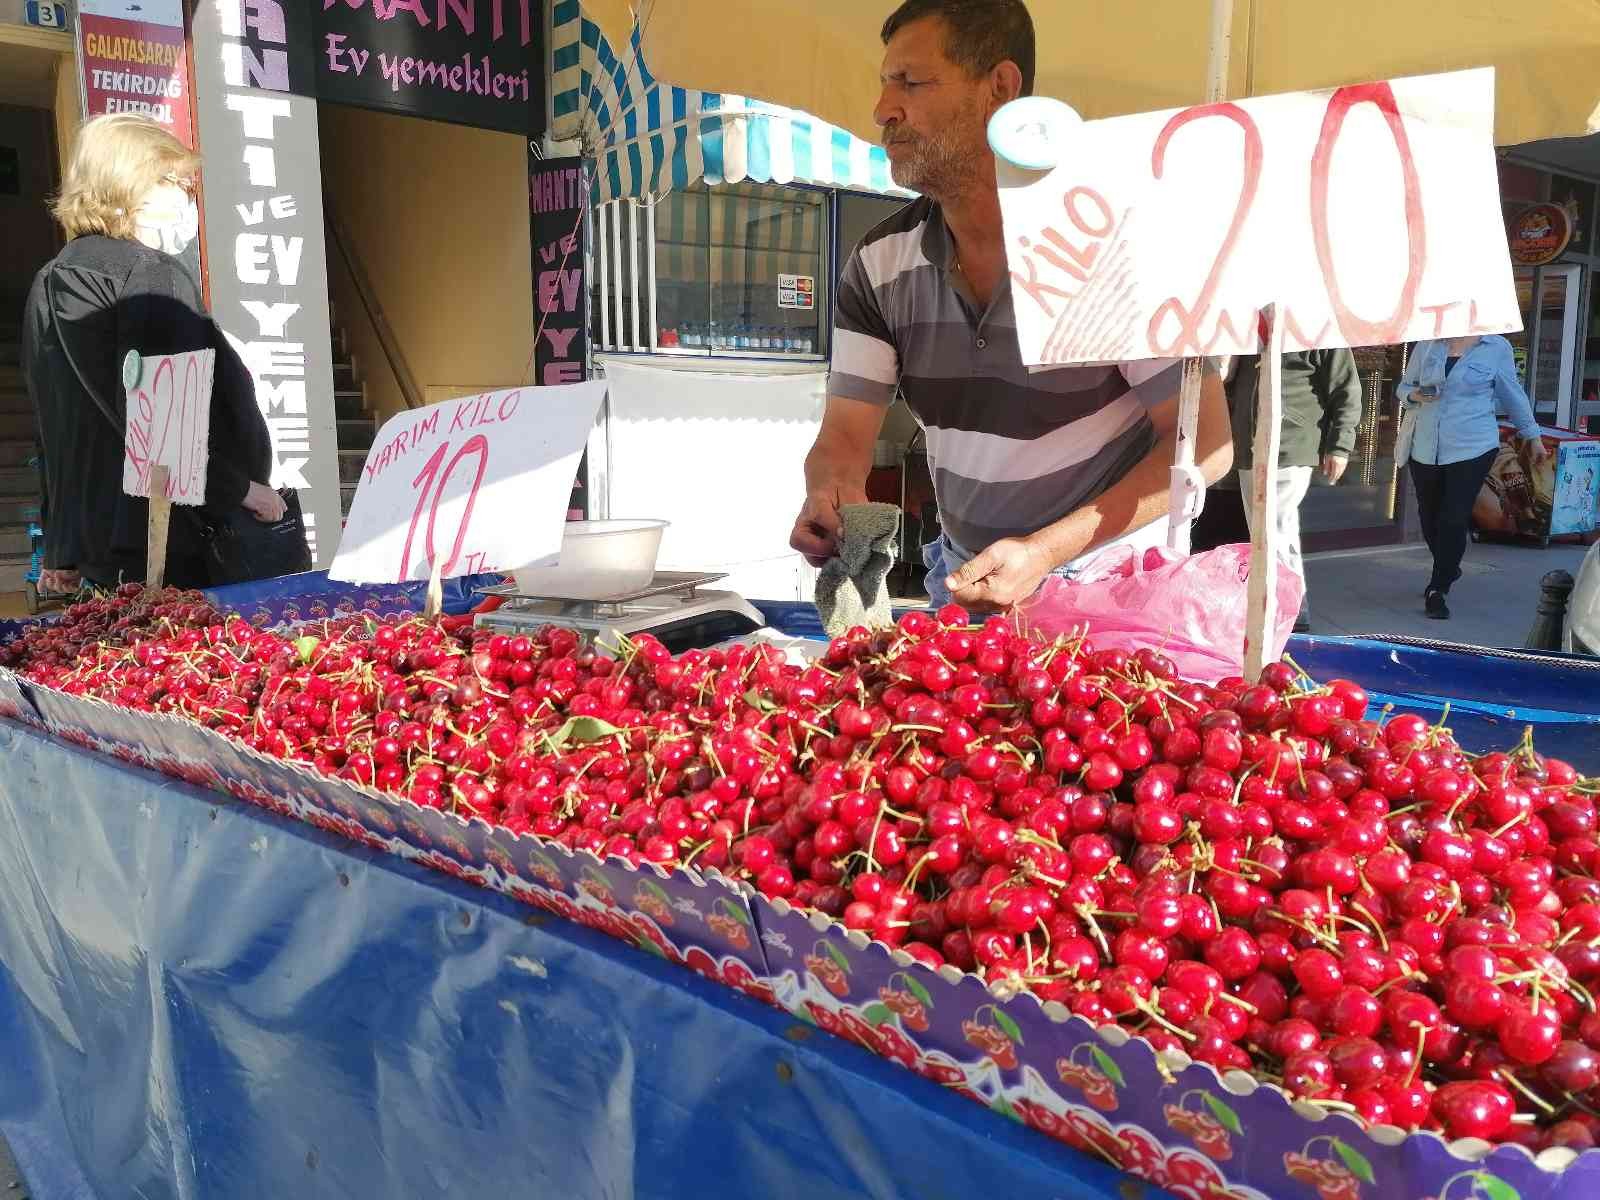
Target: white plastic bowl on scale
x=599 y=559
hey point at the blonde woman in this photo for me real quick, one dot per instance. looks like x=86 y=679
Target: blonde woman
x=127 y=210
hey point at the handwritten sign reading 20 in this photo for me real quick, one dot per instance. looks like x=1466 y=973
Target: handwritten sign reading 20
x=480 y=483
x=1370 y=214
x=169 y=425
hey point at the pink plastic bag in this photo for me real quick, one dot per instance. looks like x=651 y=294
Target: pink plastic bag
x=1191 y=608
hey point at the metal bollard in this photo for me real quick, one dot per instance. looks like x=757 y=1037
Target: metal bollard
x=1554 y=590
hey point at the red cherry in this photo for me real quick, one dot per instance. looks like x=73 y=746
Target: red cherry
x=1477 y=1109
x=1528 y=1037
x=1234 y=954
x=1318 y=973
x=1358 y=1062
x=1354 y=1010
x=1308 y=1073
x=1574 y=1067
x=1409 y=1102
x=1156 y=824
x=1474 y=1002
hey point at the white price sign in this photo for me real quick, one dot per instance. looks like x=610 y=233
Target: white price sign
x=1369 y=214
x=481 y=483
x=168 y=423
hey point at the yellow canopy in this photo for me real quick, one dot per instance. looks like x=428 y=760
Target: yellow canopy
x=1107 y=57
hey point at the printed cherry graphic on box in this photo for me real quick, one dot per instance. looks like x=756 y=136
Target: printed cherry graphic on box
x=1209 y=1130
x=500 y=860
x=1098 y=1082
x=648 y=897
x=731 y=921
x=647 y=935
x=829 y=968
x=1481 y=1186
x=910 y=1001
x=1337 y=1178
x=544 y=869
x=594 y=884
x=733 y=972
x=999 y=1040
x=1127 y=1147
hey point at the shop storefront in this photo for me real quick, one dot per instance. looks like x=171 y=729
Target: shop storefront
x=716 y=232
x=709 y=241
x=1550 y=225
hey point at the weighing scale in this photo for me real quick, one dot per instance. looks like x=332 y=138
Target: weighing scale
x=672 y=608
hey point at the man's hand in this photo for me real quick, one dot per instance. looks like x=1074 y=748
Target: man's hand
x=1536 y=451
x=1333 y=466
x=818 y=527
x=264 y=503
x=59 y=581
x=1006 y=573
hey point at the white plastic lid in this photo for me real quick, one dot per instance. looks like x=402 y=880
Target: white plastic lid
x=1030 y=132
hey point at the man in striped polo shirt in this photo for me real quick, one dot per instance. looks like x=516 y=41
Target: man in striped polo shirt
x=1032 y=468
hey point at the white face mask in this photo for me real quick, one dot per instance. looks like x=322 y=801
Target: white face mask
x=167 y=219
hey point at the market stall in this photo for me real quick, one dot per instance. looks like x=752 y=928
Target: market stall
x=200 y=992
x=1240 y=931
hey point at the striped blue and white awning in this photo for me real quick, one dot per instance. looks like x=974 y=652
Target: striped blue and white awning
x=649 y=138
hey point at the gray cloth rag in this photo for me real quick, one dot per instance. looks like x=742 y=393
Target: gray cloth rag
x=853 y=588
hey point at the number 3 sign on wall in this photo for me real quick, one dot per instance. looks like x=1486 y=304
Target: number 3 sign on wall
x=480 y=483
x=1370 y=214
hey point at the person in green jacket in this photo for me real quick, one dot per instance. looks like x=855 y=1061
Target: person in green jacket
x=1321 y=409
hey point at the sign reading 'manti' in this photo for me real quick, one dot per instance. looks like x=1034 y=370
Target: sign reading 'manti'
x=472 y=62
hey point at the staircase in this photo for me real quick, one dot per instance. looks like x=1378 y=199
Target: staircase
x=19 y=480
x=356 y=425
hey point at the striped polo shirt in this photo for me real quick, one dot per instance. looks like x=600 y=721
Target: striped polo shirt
x=1012 y=448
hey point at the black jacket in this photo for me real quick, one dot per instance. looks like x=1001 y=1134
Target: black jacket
x=1321 y=407
x=112 y=296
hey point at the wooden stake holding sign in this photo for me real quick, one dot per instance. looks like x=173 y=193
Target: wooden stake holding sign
x=166 y=439
x=1265 y=540
x=157 y=527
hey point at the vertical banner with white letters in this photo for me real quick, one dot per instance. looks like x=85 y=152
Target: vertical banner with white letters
x=266 y=253
x=558 y=193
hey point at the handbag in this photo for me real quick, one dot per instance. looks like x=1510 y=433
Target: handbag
x=240 y=549
x=237 y=547
x=1405 y=435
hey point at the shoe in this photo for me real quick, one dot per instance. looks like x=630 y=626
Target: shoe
x=1430 y=588
x=1433 y=603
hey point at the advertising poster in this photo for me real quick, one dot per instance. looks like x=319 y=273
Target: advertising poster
x=134 y=61
x=1553 y=498
x=1576 y=506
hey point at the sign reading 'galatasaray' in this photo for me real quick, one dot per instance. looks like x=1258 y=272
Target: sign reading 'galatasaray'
x=136 y=66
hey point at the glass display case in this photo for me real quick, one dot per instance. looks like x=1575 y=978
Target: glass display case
x=742 y=269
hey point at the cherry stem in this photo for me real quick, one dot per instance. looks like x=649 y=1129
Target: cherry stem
x=1511 y=1078
x=1416 y=1062
x=1150 y=1010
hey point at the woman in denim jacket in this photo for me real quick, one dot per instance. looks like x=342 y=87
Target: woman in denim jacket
x=1450 y=433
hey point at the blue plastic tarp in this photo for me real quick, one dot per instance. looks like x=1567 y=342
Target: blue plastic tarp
x=200 y=1000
